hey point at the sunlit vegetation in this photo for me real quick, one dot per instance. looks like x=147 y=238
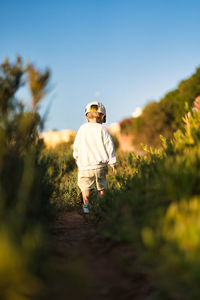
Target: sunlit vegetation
x=152 y=204
x=62 y=174
x=34 y=187
x=155 y=207
x=24 y=192
x=163 y=117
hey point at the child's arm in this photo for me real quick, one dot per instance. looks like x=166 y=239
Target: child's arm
x=110 y=148
x=75 y=148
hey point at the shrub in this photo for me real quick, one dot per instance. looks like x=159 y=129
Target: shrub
x=62 y=174
x=163 y=117
x=153 y=203
x=24 y=193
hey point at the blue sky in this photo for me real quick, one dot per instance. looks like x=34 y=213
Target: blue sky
x=121 y=52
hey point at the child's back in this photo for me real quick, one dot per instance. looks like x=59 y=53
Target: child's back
x=93 y=150
x=93 y=147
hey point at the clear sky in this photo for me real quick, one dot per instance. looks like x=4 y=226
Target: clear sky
x=122 y=52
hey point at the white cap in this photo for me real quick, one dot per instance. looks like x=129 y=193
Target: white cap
x=101 y=107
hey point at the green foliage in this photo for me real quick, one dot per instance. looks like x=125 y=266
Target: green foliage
x=24 y=193
x=38 y=85
x=153 y=203
x=163 y=117
x=62 y=174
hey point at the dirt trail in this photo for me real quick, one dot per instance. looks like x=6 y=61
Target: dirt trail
x=96 y=265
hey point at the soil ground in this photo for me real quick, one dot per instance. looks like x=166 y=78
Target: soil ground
x=91 y=267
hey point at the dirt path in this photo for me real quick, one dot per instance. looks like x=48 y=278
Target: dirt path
x=96 y=269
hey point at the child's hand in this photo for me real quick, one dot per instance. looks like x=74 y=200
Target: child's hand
x=114 y=170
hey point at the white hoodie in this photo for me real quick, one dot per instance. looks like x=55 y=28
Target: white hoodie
x=93 y=147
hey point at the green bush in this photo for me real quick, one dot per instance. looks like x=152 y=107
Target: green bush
x=24 y=192
x=163 y=117
x=153 y=203
x=62 y=174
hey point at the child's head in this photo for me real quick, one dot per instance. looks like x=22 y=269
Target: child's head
x=95 y=112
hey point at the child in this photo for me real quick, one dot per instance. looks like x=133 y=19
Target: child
x=93 y=150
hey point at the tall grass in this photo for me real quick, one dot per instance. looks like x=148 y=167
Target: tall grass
x=62 y=175
x=24 y=192
x=153 y=204
x=156 y=208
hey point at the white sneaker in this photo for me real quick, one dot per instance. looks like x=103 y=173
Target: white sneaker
x=86 y=209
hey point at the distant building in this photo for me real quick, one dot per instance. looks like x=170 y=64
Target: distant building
x=52 y=138
x=114 y=128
